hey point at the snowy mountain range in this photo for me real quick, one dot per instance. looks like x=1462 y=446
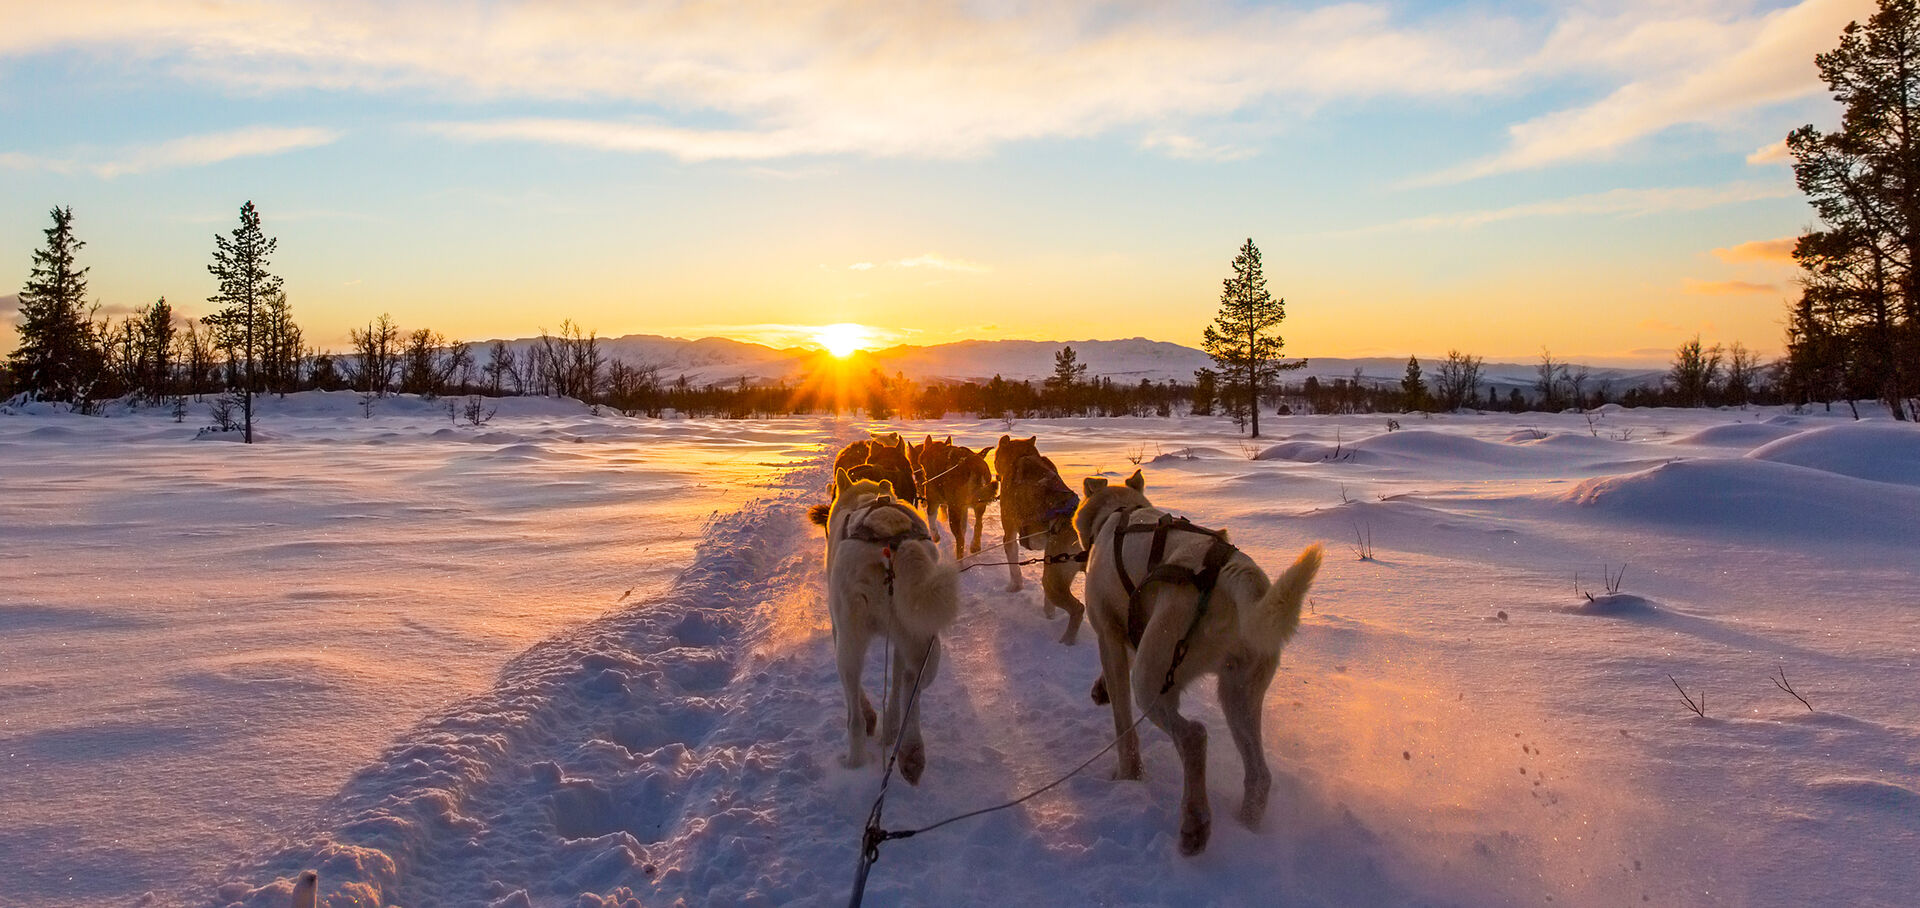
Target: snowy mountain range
x=719 y=360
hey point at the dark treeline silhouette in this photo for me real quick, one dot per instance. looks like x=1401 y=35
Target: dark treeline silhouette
x=251 y=345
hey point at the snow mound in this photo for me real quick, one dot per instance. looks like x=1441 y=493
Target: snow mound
x=1886 y=452
x=1754 y=497
x=1737 y=435
x=1615 y=605
x=1428 y=447
x=1870 y=793
x=1313 y=452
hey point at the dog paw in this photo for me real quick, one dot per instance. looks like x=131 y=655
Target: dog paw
x=913 y=761
x=1099 y=691
x=1250 y=814
x=853 y=761
x=1194 y=834
x=1071 y=637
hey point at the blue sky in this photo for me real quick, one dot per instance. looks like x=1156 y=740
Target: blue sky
x=1599 y=178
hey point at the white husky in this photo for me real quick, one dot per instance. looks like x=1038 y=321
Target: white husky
x=1170 y=602
x=885 y=578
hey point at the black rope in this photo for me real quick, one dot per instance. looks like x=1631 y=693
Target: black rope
x=873 y=835
x=1060 y=558
x=890 y=834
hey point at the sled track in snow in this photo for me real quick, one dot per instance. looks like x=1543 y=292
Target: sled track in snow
x=584 y=771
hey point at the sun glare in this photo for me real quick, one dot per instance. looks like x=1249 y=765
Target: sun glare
x=841 y=339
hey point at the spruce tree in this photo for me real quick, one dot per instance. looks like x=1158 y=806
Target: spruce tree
x=247 y=289
x=57 y=358
x=1412 y=388
x=1241 y=339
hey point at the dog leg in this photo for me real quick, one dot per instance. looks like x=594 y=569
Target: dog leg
x=1243 y=689
x=957 y=522
x=851 y=650
x=1113 y=669
x=913 y=749
x=1172 y=614
x=979 y=523
x=1056 y=581
x=933 y=514
x=1012 y=547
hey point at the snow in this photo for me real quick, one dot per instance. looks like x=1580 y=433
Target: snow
x=398 y=651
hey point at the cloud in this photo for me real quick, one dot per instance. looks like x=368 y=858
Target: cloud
x=1741 y=65
x=1773 y=251
x=188 y=151
x=9 y=305
x=744 y=80
x=1726 y=288
x=860 y=266
x=1623 y=202
x=1185 y=147
x=1775 y=153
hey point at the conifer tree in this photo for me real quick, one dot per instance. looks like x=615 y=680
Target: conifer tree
x=1412 y=388
x=57 y=358
x=247 y=289
x=1241 y=339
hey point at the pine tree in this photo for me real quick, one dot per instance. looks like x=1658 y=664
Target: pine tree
x=1412 y=389
x=155 y=338
x=247 y=290
x=57 y=358
x=1241 y=341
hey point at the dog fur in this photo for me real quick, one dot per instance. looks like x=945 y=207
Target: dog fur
x=924 y=599
x=1030 y=487
x=888 y=456
x=956 y=479
x=1238 y=640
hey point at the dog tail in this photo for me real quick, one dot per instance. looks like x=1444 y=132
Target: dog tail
x=1271 y=623
x=927 y=593
x=306 y=890
x=818 y=514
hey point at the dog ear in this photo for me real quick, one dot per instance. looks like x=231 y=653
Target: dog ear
x=840 y=481
x=1094 y=484
x=1005 y=438
x=1136 y=482
x=886 y=488
x=949 y=439
x=1032 y=438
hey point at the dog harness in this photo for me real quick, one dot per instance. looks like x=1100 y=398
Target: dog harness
x=858 y=528
x=1218 y=553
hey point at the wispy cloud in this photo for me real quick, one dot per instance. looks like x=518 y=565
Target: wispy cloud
x=1775 y=251
x=1774 y=153
x=188 y=151
x=1735 y=66
x=1185 y=147
x=1726 y=288
x=1621 y=202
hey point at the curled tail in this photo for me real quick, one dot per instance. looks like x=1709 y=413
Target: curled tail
x=1270 y=624
x=927 y=589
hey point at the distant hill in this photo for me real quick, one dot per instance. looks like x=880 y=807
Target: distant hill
x=717 y=360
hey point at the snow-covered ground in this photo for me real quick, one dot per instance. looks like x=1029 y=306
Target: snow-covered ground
x=394 y=650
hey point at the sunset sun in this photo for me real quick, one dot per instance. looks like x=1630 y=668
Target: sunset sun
x=841 y=339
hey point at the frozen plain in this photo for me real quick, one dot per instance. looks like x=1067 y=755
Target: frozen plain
x=567 y=659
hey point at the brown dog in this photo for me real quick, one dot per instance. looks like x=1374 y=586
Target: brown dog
x=887 y=454
x=1036 y=512
x=955 y=478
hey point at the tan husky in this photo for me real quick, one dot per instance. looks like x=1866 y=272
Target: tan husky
x=953 y=478
x=887 y=458
x=1171 y=602
x=885 y=579
x=1036 y=511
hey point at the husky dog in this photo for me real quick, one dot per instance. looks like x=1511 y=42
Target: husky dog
x=1171 y=602
x=889 y=458
x=955 y=478
x=885 y=578
x=1036 y=511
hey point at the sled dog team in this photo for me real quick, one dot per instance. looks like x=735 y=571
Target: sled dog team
x=1169 y=601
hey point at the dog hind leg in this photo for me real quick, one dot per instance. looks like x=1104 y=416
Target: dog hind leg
x=851 y=650
x=1173 y=614
x=957 y=522
x=1243 y=683
x=1113 y=669
x=915 y=677
x=1056 y=581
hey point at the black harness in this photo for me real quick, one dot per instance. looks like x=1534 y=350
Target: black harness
x=1218 y=553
